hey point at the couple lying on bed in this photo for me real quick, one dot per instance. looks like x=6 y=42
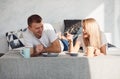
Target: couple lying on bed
x=42 y=38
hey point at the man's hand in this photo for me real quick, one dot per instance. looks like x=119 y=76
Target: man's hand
x=39 y=49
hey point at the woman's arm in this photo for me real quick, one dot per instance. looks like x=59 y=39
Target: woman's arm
x=74 y=48
x=103 y=49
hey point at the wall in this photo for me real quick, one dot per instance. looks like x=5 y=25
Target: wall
x=14 y=13
x=116 y=31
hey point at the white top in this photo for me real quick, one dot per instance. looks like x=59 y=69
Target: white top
x=80 y=38
x=48 y=36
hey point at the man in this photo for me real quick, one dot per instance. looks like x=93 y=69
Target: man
x=41 y=37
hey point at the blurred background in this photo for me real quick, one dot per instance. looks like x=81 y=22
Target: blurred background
x=14 y=14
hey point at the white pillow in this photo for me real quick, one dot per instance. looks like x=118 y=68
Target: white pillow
x=15 y=39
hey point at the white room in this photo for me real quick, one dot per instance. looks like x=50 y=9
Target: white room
x=55 y=63
x=14 y=14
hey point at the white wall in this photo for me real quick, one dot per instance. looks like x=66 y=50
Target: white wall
x=14 y=13
x=116 y=27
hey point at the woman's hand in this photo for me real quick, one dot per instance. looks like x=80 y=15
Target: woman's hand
x=69 y=36
x=97 y=52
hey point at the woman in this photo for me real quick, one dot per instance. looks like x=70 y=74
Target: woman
x=91 y=36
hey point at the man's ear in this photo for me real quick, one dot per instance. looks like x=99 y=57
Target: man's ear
x=29 y=27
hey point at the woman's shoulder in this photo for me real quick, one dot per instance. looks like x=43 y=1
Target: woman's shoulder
x=103 y=38
x=103 y=35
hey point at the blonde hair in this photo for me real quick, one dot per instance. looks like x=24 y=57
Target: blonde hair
x=93 y=30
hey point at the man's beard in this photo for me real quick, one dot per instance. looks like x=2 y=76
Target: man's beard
x=38 y=36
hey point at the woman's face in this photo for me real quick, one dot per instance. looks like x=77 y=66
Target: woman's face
x=85 y=34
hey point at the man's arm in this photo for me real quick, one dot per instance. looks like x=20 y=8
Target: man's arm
x=53 y=48
x=35 y=50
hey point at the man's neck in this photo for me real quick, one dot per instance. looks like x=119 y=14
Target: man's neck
x=38 y=37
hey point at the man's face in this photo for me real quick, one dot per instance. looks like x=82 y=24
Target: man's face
x=37 y=29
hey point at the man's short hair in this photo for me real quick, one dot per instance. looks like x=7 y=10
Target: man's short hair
x=34 y=19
